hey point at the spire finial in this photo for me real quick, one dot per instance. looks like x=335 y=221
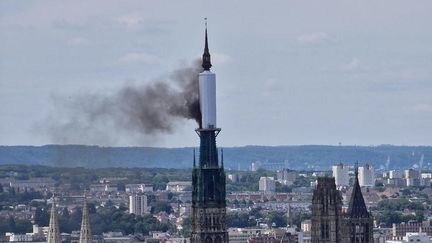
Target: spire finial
x=53 y=229
x=206 y=62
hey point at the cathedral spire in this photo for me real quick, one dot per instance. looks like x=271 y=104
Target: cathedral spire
x=53 y=230
x=206 y=62
x=85 y=234
x=359 y=221
x=208 y=177
x=357 y=206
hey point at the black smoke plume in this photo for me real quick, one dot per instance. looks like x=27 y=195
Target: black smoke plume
x=143 y=112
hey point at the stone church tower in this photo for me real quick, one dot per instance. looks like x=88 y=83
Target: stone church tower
x=359 y=221
x=329 y=225
x=208 y=177
x=327 y=219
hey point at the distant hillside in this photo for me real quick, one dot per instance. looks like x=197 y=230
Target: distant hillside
x=295 y=157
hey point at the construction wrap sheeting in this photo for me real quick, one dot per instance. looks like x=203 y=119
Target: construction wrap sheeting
x=207 y=92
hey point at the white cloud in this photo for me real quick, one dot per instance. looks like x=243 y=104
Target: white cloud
x=77 y=41
x=422 y=107
x=220 y=58
x=315 y=38
x=131 y=22
x=139 y=57
x=351 y=65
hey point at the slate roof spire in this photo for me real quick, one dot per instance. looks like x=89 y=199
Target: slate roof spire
x=357 y=206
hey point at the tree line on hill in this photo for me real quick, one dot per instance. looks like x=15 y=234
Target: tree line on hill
x=301 y=157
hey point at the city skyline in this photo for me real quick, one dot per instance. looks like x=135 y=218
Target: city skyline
x=322 y=73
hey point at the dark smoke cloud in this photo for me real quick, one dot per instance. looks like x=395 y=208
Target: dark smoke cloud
x=142 y=112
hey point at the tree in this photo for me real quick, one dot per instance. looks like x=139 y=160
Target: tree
x=12 y=192
x=41 y=217
x=399 y=204
x=91 y=208
x=300 y=217
x=277 y=218
x=65 y=213
x=389 y=217
x=11 y=224
x=22 y=226
x=121 y=186
x=240 y=220
x=256 y=212
x=282 y=188
x=186 y=227
x=151 y=199
x=301 y=181
x=161 y=206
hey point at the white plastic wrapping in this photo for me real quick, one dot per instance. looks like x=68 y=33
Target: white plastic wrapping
x=207 y=92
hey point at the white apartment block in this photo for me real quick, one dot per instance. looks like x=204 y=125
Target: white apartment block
x=138 y=188
x=395 y=174
x=341 y=174
x=366 y=176
x=138 y=204
x=179 y=186
x=286 y=177
x=267 y=184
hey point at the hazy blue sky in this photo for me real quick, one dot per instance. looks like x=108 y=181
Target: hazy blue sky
x=288 y=72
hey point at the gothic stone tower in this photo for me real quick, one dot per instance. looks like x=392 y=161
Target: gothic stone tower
x=359 y=221
x=326 y=212
x=208 y=177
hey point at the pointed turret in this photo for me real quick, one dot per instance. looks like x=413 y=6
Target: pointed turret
x=53 y=229
x=358 y=221
x=357 y=206
x=85 y=233
x=206 y=62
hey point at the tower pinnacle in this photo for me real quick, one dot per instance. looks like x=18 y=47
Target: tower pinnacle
x=53 y=230
x=357 y=206
x=206 y=62
x=85 y=234
x=359 y=221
